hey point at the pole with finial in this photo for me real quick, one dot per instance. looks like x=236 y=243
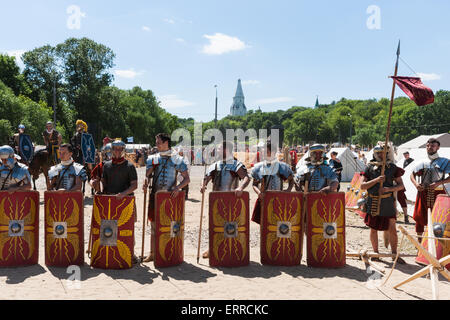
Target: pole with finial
x=388 y=130
x=215 y=118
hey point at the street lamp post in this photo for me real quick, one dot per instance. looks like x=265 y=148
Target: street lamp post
x=351 y=140
x=215 y=118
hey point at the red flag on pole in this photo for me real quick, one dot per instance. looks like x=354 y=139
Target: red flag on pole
x=415 y=89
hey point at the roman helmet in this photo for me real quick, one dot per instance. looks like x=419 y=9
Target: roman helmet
x=81 y=123
x=316 y=154
x=119 y=143
x=107 y=152
x=6 y=152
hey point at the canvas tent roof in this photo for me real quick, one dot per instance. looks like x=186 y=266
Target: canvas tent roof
x=421 y=142
x=350 y=162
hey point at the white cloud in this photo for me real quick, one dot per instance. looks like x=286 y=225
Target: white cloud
x=171 y=21
x=16 y=53
x=180 y=40
x=274 y=100
x=220 y=43
x=172 y=101
x=129 y=74
x=251 y=82
x=146 y=29
x=429 y=76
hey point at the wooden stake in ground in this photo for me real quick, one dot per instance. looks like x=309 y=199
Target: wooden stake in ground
x=303 y=219
x=143 y=224
x=201 y=218
x=435 y=265
x=432 y=249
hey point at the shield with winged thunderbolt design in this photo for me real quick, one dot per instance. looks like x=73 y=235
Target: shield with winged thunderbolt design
x=112 y=232
x=169 y=229
x=19 y=228
x=325 y=229
x=281 y=228
x=64 y=228
x=228 y=229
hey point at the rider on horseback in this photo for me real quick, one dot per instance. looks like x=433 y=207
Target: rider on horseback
x=52 y=140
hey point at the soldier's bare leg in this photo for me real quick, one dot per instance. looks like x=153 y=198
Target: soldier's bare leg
x=393 y=239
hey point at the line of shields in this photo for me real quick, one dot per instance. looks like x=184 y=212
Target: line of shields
x=286 y=217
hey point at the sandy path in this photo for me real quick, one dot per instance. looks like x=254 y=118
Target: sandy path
x=198 y=281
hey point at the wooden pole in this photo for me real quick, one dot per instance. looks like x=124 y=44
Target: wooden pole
x=443 y=262
x=201 y=218
x=143 y=223
x=378 y=255
x=431 y=259
x=304 y=218
x=90 y=234
x=432 y=250
x=388 y=129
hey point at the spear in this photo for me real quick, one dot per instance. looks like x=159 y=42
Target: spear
x=388 y=129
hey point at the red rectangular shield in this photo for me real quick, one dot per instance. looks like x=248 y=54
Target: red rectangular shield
x=19 y=228
x=440 y=223
x=325 y=221
x=349 y=193
x=112 y=232
x=169 y=225
x=229 y=224
x=64 y=228
x=281 y=228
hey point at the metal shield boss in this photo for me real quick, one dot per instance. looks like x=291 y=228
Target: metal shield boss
x=281 y=228
x=169 y=223
x=440 y=222
x=325 y=230
x=19 y=228
x=112 y=232
x=229 y=229
x=64 y=228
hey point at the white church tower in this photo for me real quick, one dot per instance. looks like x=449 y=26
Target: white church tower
x=238 y=107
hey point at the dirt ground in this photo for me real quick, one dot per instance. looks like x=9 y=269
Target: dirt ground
x=199 y=281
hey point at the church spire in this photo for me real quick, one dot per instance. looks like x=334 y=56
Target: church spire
x=317 y=101
x=239 y=92
x=238 y=107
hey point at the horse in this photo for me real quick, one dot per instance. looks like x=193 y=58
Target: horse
x=41 y=163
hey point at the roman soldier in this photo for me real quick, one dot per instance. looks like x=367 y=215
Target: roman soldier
x=119 y=176
x=15 y=144
x=96 y=173
x=81 y=127
x=270 y=174
x=67 y=175
x=52 y=140
x=432 y=173
x=225 y=174
x=384 y=217
x=163 y=168
x=319 y=175
x=180 y=178
x=14 y=176
x=337 y=167
x=16 y=138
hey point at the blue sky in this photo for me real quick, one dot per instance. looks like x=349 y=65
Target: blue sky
x=285 y=52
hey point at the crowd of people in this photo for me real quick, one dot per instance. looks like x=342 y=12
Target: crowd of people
x=168 y=168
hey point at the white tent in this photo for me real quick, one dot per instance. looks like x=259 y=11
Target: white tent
x=421 y=142
x=350 y=162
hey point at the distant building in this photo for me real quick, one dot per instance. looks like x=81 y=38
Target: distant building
x=238 y=107
x=317 y=102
